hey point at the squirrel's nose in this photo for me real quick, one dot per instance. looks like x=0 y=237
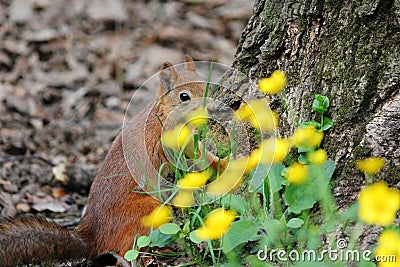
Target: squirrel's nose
x=211 y=107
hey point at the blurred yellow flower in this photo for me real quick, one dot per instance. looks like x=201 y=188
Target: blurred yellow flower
x=274 y=150
x=198 y=117
x=265 y=120
x=176 y=137
x=216 y=224
x=370 y=165
x=273 y=84
x=229 y=180
x=308 y=137
x=297 y=173
x=253 y=160
x=387 y=253
x=378 y=204
x=194 y=180
x=183 y=199
x=271 y=150
x=244 y=112
x=259 y=114
x=157 y=217
x=317 y=157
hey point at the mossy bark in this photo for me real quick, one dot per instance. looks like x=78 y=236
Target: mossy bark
x=346 y=50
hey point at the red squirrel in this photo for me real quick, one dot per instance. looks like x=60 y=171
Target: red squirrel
x=113 y=215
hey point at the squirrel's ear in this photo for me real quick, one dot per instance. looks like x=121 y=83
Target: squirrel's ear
x=168 y=77
x=189 y=64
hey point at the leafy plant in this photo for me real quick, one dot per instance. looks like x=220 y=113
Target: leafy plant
x=283 y=204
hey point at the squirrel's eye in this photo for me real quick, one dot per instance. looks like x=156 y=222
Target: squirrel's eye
x=184 y=97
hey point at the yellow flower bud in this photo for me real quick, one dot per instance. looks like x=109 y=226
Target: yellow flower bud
x=273 y=84
x=216 y=224
x=317 y=157
x=198 y=117
x=370 y=165
x=183 y=199
x=176 y=137
x=157 y=217
x=297 y=173
x=378 y=204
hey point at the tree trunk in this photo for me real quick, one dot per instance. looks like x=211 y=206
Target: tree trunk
x=346 y=50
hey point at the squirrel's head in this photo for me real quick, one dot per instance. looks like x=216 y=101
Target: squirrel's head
x=180 y=91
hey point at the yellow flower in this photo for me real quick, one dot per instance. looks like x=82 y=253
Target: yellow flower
x=271 y=150
x=273 y=84
x=244 y=112
x=308 y=137
x=297 y=173
x=198 y=117
x=274 y=150
x=176 y=137
x=282 y=147
x=265 y=120
x=317 y=157
x=183 y=199
x=216 y=224
x=259 y=114
x=370 y=165
x=194 y=180
x=378 y=204
x=387 y=253
x=157 y=217
x=253 y=160
x=229 y=180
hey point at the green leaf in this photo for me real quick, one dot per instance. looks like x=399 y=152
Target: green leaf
x=273 y=174
x=275 y=230
x=254 y=261
x=364 y=263
x=143 y=241
x=159 y=239
x=240 y=232
x=305 y=149
x=304 y=196
x=328 y=123
x=312 y=263
x=257 y=177
x=303 y=159
x=169 y=228
x=313 y=123
x=350 y=214
x=186 y=227
x=193 y=237
x=295 y=223
x=131 y=255
x=275 y=178
x=235 y=202
x=320 y=104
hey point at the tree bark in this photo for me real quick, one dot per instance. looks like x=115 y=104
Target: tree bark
x=346 y=50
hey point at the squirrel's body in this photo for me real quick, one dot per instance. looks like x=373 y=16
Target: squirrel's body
x=113 y=215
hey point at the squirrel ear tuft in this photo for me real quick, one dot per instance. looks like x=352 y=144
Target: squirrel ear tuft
x=168 y=77
x=189 y=64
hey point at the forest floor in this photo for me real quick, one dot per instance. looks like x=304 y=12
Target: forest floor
x=68 y=70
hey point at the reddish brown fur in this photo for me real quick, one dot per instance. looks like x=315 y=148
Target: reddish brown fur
x=112 y=225
x=114 y=212
x=19 y=242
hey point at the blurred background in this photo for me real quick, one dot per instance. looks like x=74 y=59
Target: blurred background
x=67 y=72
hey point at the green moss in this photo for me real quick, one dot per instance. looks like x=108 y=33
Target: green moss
x=362 y=152
x=392 y=174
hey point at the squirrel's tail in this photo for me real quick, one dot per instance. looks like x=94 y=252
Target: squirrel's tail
x=29 y=239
